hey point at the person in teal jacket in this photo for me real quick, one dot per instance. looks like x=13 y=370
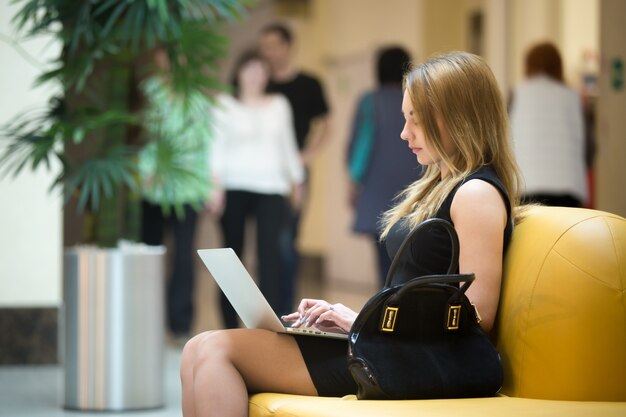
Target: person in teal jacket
x=379 y=165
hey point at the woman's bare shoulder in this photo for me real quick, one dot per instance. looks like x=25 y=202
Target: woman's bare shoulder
x=478 y=199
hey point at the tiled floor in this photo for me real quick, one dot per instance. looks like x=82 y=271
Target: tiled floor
x=37 y=391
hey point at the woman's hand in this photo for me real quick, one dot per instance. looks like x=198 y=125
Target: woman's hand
x=322 y=315
x=297 y=196
x=217 y=202
x=354 y=190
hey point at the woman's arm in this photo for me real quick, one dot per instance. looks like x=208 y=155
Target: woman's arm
x=218 y=155
x=479 y=216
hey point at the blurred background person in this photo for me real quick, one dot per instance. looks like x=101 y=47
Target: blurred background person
x=181 y=123
x=549 y=132
x=379 y=165
x=256 y=167
x=311 y=123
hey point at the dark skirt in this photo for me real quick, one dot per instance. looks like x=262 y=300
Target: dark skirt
x=327 y=362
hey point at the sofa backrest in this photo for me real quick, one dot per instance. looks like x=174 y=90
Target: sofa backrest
x=561 y=326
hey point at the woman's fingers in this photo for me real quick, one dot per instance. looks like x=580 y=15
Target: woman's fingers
x=308 y=311
x=291 y=317
x=323 y=315
x=306 y=304
x=313 y=313
x=337 y=315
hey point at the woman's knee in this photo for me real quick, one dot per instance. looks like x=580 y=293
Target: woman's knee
x=212 y=345
x=189 y=350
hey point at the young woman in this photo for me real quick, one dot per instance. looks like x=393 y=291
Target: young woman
x=456 y=125
x=256 y=168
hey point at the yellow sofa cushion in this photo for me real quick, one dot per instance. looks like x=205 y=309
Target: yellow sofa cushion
x=561 y=326
x=283 y=405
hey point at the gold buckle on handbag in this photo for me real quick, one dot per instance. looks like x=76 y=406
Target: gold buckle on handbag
x=454 y=315
x=389 y=319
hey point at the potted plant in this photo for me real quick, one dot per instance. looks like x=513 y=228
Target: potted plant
x=113 y=292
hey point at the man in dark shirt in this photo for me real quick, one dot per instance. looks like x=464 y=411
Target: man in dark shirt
x=310 y=118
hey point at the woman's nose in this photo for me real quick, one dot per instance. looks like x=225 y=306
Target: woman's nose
x=404 y=133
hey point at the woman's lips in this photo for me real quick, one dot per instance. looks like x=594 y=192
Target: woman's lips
x=415 y=150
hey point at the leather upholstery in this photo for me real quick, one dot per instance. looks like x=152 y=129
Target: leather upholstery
x=562 y=318
x=561 y=329
x=283 y=405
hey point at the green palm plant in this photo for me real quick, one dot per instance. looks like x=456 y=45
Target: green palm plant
x=91 y=128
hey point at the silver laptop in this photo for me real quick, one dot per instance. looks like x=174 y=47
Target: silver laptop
x=246 y=298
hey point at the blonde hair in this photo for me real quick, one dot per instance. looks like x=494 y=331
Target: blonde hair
x=459 y=90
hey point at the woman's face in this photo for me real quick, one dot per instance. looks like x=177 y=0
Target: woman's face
x=413 y=134
x=253 y=77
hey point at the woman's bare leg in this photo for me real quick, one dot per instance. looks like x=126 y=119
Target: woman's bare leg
x=218 y=369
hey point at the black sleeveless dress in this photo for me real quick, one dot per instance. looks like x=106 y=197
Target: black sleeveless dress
x=326 y=359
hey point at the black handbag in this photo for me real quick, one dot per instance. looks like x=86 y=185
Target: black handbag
x=422 y=339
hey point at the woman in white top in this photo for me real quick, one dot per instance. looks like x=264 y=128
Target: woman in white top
x=256 y=167
x=548 y=131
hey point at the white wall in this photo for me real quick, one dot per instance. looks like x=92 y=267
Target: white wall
x=30 y=217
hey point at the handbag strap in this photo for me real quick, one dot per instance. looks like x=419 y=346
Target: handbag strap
x=434 y=222
x=418 y=282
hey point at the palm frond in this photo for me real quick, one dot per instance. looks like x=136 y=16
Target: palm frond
x=199 y=47
x=37 y=137
x=93 y=30
x=99 y=176
x=173 y=171
x=29 y=139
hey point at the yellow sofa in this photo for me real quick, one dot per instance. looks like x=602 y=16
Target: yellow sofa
x=561 y=329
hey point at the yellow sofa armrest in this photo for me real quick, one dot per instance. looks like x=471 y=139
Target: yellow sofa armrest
x=561 y=325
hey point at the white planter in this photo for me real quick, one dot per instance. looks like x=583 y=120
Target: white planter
x=114 y=328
